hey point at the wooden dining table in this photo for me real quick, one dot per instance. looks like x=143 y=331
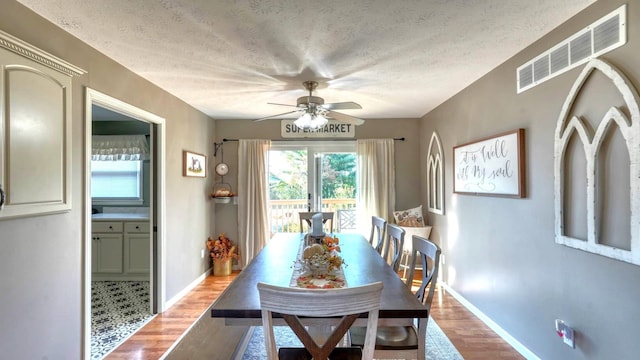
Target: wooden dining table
x=239 y=304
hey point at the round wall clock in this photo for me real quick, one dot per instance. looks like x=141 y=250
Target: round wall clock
x=222 y=169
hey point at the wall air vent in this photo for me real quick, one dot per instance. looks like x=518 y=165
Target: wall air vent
x=604 y=35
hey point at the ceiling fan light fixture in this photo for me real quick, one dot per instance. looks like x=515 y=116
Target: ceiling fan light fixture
x=318 y=121
x=314 y=112
x=304 y=121
x=311 y=121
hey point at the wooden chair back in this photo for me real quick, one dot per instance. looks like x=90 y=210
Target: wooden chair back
x=292 y=303
x=428 y=254
x=378 y=230
x=327 y=217
x=393 y=246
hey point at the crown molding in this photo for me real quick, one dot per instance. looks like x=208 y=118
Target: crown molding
x=27 y=50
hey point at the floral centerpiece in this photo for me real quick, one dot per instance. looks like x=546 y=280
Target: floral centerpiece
x=319 y=261
x=222 y=251
x=323 y=257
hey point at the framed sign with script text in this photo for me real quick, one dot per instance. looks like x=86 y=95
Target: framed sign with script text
x=492 y=166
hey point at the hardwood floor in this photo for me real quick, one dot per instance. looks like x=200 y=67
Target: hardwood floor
x=473 y=339
x=155 y=338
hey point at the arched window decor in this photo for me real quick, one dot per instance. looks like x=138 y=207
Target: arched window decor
x=435 y=177
x=597 y=170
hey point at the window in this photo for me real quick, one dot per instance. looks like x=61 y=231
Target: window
x=312 y=176
x=116 y=182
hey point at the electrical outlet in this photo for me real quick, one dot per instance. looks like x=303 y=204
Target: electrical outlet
x=202 y=253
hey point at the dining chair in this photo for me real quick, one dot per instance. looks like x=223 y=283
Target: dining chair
x=395 y=342
x=393 y=245
x=292 y=303
x=305 y=217
x=378 y=229
x=405 y=258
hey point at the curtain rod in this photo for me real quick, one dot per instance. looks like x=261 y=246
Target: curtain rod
x=314 y=139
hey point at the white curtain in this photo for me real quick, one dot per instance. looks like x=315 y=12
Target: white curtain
x=119 y=147
x=253 y=187
x=376 y=181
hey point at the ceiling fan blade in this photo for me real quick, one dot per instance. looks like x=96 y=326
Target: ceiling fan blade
x=272 y=116
x=282 y=104
x=348 y=119
x=342 y=106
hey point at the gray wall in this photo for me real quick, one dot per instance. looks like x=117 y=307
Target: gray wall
x=41 y=258
x=500 y=252
x=406 y=156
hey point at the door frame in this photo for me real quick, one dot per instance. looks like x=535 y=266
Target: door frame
x=157 y=270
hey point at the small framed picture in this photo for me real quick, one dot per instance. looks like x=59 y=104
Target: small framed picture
x=194 y=164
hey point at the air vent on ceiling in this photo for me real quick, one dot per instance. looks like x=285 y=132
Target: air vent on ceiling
x=604 y=35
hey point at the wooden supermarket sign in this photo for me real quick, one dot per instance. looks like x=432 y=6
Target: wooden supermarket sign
x=332 y=129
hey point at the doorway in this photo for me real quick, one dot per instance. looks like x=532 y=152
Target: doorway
x=312 y=176
x=123 y=247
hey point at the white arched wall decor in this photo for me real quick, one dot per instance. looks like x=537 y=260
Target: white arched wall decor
x=435 y=177
x=570 y=127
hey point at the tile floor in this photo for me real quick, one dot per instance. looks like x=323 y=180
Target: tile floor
x=118 y=309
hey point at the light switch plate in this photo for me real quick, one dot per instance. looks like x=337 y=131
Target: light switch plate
x=568 y=337
x=565 y=332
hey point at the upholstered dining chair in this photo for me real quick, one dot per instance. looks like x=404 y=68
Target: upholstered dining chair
x=378 y=230
x=401 y=342
x=393 y=245
x=292 y=303
x=305 y=217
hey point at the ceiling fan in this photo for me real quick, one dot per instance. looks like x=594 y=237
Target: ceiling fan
x=314 y=112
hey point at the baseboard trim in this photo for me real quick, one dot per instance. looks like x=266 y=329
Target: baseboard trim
x=491 y=324
x=244 y=342
x=168 y=304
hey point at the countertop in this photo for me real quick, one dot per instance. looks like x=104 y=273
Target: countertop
x=119 y=217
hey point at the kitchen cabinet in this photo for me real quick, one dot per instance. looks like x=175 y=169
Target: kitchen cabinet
x=107 y=247
x=120 y=250
x=136 y=236
x=109 y=253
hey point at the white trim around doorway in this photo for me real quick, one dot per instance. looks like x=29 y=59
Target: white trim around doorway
x=93 y=97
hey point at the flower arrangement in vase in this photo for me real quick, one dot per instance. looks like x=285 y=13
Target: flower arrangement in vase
x=222 y=251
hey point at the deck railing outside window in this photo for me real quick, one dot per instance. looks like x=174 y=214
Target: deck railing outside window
x=284 y=214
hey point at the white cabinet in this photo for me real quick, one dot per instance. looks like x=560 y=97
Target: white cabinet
x=137 y=240
x=109 y=253
x=107 y=247
x=35 y=130
x=120 y=250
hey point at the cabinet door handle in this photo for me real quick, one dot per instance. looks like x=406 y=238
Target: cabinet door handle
x=137 y=227
x=110 y=227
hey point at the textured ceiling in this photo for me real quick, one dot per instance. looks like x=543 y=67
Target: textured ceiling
x=398 y=59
